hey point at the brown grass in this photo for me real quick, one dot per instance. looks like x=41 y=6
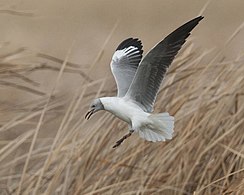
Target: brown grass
x=48 y=148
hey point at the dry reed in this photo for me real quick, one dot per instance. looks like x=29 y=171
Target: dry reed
x=55 y=151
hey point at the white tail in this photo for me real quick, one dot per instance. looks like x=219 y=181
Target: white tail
x=160 y=128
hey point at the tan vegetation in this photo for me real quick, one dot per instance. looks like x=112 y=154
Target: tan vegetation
x=46 y=146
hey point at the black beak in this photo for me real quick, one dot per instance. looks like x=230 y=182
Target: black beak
x=89 y=113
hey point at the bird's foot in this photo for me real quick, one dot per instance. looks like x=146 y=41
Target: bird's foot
x=122 y=139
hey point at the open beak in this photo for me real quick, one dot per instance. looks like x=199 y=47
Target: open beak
x=89 y=113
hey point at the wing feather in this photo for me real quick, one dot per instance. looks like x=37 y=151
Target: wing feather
x=125 y=62
x=153 y=67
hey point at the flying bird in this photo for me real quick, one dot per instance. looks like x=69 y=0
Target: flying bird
x=138 y=80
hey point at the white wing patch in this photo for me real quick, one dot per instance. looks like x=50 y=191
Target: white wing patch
x=124 y=64
x=125 y=56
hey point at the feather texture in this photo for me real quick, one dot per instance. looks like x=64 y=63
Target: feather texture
x=153 y=67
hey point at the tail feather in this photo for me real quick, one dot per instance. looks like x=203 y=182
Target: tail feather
x=161 y=128
x=149 y=135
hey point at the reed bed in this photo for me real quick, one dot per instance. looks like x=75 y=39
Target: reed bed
x=47 y=147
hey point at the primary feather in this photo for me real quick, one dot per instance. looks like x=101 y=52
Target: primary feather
x=152 y=68
x=138 y=81
x=125 y=62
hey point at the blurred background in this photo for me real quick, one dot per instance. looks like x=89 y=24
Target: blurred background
x=37 y=37
x=50 y=27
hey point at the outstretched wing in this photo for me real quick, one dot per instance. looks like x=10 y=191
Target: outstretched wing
x=152 y=69
x=125 y=62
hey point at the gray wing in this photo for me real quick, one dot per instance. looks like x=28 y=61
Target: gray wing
x=125 y=62
x=152 y=69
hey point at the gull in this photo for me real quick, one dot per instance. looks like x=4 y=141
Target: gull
x=138 y=81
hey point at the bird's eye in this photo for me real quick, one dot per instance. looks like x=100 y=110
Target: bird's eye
x=93 y=106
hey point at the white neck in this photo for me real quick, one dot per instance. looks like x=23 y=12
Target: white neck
x=107 y=102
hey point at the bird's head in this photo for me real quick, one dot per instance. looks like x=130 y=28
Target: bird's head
x=95 y=106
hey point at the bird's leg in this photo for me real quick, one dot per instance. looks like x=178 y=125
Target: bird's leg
x=123 y=138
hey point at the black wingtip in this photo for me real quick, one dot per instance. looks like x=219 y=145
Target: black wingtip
x=184 y=31
x=192 y=23
x=130 y=42
x=199 y=18
x=196 y=20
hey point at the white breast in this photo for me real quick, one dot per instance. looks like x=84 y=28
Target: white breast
x=123 y=109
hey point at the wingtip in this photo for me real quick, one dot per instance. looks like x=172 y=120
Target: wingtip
x=190 y=25
x=130 y=42
x=199 y=18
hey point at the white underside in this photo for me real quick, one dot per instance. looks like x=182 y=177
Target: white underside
x=151 y=127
